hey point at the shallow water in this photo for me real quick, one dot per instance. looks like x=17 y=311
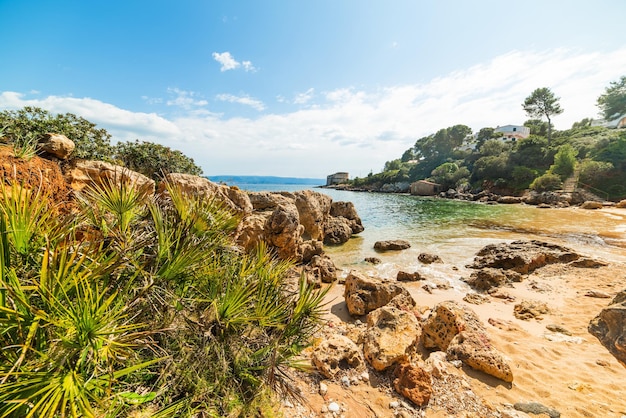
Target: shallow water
x=456 y=230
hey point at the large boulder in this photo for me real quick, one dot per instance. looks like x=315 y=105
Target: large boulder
x=284 y=232
x=459 y=332
x=522 y=256
x=347 y=211
x=621 y=204
x=487 y=278
x=57 y=145
x=609 y=326
x=267 y=201
x=231 y=197
x=335 y=354
x=591 y=204
x=314 y=210
x=85 y=173
x=323 y=268
x=363 y=294
x=337 y=231
x=391 y=337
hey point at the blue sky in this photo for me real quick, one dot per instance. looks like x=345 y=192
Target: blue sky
x=304 y=88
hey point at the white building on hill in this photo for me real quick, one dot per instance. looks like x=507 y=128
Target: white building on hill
x=513 y=132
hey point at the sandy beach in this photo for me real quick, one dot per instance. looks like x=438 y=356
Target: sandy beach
x=568 y=371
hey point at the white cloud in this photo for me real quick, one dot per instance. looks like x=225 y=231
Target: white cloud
x=244 y=100
x=229 y=62
x=304 y=98
x=355 y=130
x=184 y=99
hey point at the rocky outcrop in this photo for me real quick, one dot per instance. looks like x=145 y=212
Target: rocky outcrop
x=347 y=211
x=404 y=276
x=487 y=278
x=391 y=245
x=283 y=231
x=57 y=145
x=85 y=173
x=363 y=294
x=413 y=383
x=609 y=326
x=426 y=258
x=522 y=256
x=231 y=197
x=335 y=354
x=591 y=204
x=322 y=268
x=314 y=210
x=337 y=231
x=621 y=204
x=459 y=332
x=391 y=337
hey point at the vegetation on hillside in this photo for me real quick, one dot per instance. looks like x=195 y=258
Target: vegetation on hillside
x=140 y=306
x=456 y=159
x=25 y=127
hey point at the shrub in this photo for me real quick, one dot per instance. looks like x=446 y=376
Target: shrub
x=547 y=182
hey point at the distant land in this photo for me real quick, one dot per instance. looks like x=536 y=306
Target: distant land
x=265 y=180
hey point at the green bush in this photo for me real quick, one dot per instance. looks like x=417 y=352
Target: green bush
x=547 y=182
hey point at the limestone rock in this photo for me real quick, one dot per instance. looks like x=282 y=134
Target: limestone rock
x=314 y=210
x=231 y=197
x=390 y=338
x=324 y=268
x=85 y=173
x=445 y=321
x=251 y=231
x=403 y=301
x=347 y=210
x=536 y=408
x=284 y=232
x=363 y=294
x=311 y=248
x=474 y=349
x=621 y=204
x=57 y=145
x=527 y=309
x=429 y=258
x=337 y=231
x=391 y=245
x=335 y=354
x=414 y=383
x=609 y=326
x=507 y=200
x=522 y=256
x=591 y=204
x=404 y=276
x=488 y=278
x=266 y=201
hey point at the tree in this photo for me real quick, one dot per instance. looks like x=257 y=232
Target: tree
x=537 y=127
x=91 y=143
x=154 y=160
x=542 y=102
x=613 y=102
x=564 y=161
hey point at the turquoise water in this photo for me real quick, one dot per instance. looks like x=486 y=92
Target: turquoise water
x=456 y=230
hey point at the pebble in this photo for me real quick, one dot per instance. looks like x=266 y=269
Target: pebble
x=394 y=404
x=536 y=408
x=358 y=323
x=288 y=404
x=334 y=407
x=345 y=381
x=365 y=376
x=323 y=389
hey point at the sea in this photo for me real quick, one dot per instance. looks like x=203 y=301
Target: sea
x=456 y=230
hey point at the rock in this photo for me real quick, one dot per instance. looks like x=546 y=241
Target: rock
x=337 y=231
x=474 y=349
x=522 y=256
x=445 y=321
x=345 y=381
x=231 y=197
x=507 y=200
x=391 y=245
x=266 y=201
x=436 y=364
x=536 y=408
x=364 y=294
x=597 y=294
x=335 y=354
x=347 y=211
x=390 y=338
x=429 y=258
x=558 y=328
x=526 y=310
x=88 y=173
x=487 y=278
x=372 y=260
x=251 y=231
x=609 y=327
x=509 y=412
x=311 y=248
x=403 y=276
x=57 y=145
x=323 y=390
x=475 y=298
x=284 y=232
x=403 y=301
x=314 y=210
x=621 y=204
x=591 y=204
x=414 y=383
x=324 y=268
x=334 y=407
x=588 y=263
